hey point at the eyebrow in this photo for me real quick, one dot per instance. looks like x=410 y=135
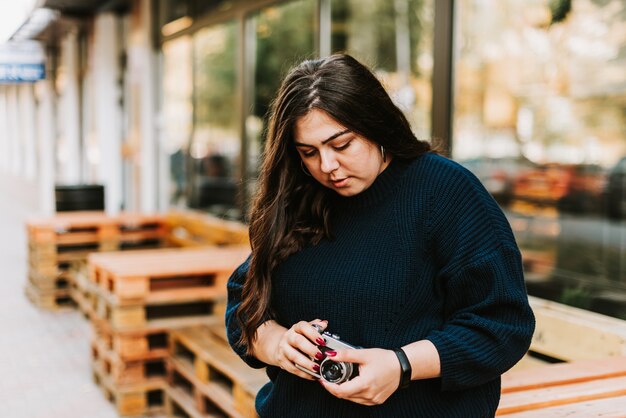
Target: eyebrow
x=330 y=138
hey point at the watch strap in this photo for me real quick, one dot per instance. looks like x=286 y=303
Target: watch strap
x=405 y=365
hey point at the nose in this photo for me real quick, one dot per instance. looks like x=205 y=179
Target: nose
x=328 y=162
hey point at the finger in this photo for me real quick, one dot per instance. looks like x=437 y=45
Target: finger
x=303 y=344
x=350 y=356
x=295 y=357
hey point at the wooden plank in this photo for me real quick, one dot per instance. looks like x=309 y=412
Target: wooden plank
x=559 y=329
x=563 y=373
x=563 y=394
x=605 y=408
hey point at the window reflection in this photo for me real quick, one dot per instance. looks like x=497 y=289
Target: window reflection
x=540 y=118
x=215 y=146
x=280 y=37
x=395 y=38
x=177 y=112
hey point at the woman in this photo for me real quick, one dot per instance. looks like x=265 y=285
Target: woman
x=360 y=229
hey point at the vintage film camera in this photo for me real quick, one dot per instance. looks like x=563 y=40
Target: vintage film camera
x=330 y=370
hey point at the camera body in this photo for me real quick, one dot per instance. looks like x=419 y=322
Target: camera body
x=330 y=370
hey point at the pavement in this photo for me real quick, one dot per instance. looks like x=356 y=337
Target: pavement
x=45 y=363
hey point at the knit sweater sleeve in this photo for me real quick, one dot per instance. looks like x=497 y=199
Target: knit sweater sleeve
x=233 y=328
x=488 y=321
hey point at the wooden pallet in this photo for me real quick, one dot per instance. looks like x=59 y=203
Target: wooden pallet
x=137 y=400
x=203 y=367
x=113 y=319
x=69 y=237
x=158 y=276
x=75 y=228
x=180 y=403
x=46 y=299
x=136 y=345
x=82 y=290
x=57 y=281
x=584 y=388
x=193 y=229
x=122 y=372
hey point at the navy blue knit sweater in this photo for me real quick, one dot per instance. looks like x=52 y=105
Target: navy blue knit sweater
x=424 y=253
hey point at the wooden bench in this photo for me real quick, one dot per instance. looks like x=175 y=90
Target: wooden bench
x=566 y=333
x=583 y=388
x=195 y=229
x=590 y=381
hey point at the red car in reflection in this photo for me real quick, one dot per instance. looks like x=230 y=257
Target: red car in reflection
x=572 y=188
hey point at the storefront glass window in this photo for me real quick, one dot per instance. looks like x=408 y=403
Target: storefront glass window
x=396 y=39
x=540 y=117
x=279 y=37
x=216 y=144
x=177 y=113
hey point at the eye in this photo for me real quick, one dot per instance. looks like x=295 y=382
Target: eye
x=343 y=146
x=308 y=153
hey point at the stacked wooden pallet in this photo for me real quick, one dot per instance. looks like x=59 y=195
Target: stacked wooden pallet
x=206 y=378
x=56 y=243
x=138 y=298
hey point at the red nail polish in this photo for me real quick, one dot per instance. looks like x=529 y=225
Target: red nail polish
x=320 y=341
x=319 y=356
x=330 y=353
x=316 y=367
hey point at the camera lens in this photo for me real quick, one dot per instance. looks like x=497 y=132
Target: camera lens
x=335 y=372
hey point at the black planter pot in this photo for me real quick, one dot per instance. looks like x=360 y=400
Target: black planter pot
x=79 y=197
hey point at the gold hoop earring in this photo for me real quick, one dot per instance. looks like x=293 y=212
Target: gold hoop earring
x=382 y=153
x=304 y=169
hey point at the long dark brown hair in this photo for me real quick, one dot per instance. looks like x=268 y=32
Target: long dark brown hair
x=291 y=209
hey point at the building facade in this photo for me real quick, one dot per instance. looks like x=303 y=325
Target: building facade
x=164 y=103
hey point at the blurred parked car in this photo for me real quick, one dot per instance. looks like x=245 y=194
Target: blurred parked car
x=498 y=174
x=541 y=185
x=616 y=191
x=584 y=188
x=572 y=188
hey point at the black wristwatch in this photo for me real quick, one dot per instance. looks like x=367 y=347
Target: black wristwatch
x=405 y=377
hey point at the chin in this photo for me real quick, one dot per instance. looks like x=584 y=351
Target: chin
x=347 y=192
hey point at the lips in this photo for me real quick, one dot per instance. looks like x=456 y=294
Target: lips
x=340 y=183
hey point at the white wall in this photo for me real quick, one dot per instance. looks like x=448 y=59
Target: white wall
x=107 y=110
x=68 y=142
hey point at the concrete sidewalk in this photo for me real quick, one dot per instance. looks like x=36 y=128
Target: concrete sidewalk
x=45 y=369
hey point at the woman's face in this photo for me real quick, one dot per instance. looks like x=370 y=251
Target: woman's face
x=336 y=157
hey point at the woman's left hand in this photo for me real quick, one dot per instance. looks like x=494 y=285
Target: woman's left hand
x=379 y=376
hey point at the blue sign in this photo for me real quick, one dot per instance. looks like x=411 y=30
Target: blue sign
x=22 y=62
x=18 y=73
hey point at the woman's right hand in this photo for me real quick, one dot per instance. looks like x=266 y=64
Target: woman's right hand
x=298 y=345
